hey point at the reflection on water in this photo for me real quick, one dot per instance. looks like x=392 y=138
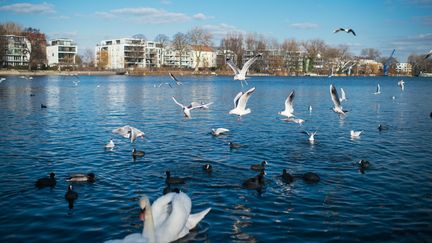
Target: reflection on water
x=346 y=205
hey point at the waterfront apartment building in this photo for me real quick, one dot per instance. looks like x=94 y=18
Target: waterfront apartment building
x=128 y=53
x=203 y=56
x=403 y=68
x=61 y=52
x=173 y=58
x=16 y=50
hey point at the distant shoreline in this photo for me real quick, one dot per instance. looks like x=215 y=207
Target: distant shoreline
x=156 y=73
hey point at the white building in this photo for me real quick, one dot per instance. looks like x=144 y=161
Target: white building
x=128 y=53
x=171 y=58
x=403 y=67
x=205 y=55
x=61 y=52
x=17 y=50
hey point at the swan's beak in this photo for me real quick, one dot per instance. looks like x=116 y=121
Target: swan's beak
x=142 y=214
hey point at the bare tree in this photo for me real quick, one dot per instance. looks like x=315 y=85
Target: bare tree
x=88 y=57
x=180 y=44
x=199 y=38
x=314 y=49
x=163 y=40
x=293 y=59
x=234 y=42
x=38 y=47
x=371 y=53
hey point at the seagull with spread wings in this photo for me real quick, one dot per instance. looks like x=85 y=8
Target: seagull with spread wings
x=175 y=79
x=193 y=105
x=337 y=108
x=241 y=74
x=345 y=30
x=240 y=101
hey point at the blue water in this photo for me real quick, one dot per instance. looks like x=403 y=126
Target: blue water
x=391 y=201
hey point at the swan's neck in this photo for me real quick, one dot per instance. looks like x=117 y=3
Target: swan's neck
x=149 y=229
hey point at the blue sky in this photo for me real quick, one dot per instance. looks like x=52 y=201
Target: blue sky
x=404 y=25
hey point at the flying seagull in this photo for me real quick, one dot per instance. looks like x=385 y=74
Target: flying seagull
x=129 y=132
x=345 y=30
x=336 y=101
x=187 y=109
x=241 y=74
x=401 y=84
x=289 y=109
x=175 y=79
x=219 y=131
x=428 y=55
x=343 y=95
x=378 y=90
x=240 y=102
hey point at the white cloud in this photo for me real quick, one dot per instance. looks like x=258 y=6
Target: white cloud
x=201 y=16
x=304 y=25
x=221 y=30
x=26 y=8
x=145 y=15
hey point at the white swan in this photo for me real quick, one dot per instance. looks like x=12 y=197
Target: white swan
x=240 y=101
x=241 y=74
x=166 y=220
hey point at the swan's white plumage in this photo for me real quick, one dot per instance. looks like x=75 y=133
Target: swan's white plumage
x=167 y=219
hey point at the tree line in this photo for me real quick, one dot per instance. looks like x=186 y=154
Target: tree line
x=287 y=56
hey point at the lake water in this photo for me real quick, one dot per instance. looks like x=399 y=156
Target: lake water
x=391 y=201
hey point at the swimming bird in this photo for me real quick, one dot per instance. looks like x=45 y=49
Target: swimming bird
x=257 y=182
x=428 y=55
x=175 y=79
x=208 y=168
x=240 y=101
x=173 y=180
x=311 y=177
x=401 y=84
x=43 y=106
x=129 y=132
x=235 y=145
x=378 y=90
x=382 y=127
x=259 y=167
x=219 y=131
x=110 y=144
x=343 y=95
x=355 y=134
x=345 y=30
x=337 y=108
x=45 y=182
x=137 y=153
x=310 y=109
x=311 y=135
x=241 y=74
x=71 y=196
x=90 y=177
x=289 y=109
x=168 y=219
x=287 y=177
x=364 y=164
x=187 y=109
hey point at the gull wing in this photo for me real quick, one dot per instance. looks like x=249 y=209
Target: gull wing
x=351 y=31
x=289 y=102
x=242 y=101
x=236 y=98
x=249 y=63
x=378 y=90
x=343 y=96
x=175 y=79
x=334 y=96
x=182 y=106
x=233 y=66
x=337 y=30
x=428 y=55
x=123 y=131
